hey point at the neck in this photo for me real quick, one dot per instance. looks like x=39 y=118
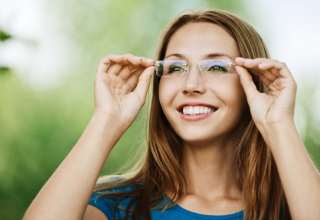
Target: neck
x=210 y=170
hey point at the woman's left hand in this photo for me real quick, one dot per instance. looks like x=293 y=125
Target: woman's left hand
x=275 y=105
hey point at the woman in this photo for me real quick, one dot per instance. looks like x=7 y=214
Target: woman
x=221 y=144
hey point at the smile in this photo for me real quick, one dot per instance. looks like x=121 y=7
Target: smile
x=196 y=112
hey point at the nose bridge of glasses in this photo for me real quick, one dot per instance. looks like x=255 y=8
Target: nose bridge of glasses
x=193 y=69
x=193 y=80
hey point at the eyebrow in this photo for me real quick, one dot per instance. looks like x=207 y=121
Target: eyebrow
x=210 y=55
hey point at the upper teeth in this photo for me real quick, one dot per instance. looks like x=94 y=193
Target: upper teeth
x=190 y=110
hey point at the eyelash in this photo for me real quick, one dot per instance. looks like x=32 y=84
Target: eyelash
x=218 y=67
x=172 y=68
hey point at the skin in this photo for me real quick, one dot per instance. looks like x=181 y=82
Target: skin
x=273 y=114
x=208 y=143
x=120 y=89
x=208 y=168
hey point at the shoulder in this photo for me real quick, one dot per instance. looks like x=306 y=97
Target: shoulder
x=115 y=184
x=113 y=200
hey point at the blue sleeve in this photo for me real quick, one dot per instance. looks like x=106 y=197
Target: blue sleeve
x=112 y=207
x=103 y=204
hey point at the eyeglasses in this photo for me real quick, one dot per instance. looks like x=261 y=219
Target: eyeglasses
x=180 y=67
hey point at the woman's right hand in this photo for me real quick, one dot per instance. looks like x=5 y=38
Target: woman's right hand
x=121 y=85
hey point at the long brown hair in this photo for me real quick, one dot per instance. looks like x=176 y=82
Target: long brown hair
x=160 y=169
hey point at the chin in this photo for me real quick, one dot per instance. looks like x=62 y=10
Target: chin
x=198 y=136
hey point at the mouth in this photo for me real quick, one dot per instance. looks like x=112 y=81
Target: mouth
x=196 y=111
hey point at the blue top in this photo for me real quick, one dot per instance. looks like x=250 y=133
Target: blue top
x=172 y=212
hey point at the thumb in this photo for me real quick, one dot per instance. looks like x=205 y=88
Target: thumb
x=143 y=83
x=247 y=83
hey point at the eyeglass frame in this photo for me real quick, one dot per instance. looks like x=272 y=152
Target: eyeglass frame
x=187 y=66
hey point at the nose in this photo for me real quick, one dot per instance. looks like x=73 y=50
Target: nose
x=193 y=82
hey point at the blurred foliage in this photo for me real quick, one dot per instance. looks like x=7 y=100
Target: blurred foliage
x=4 y=70
x=4 y=35
x=306 y=101
x=39 y=128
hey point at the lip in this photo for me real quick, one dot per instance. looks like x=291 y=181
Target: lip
x=196 y=117
x=180 y=107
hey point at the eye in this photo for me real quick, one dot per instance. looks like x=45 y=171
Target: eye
x=174 y=68
x=217 y=68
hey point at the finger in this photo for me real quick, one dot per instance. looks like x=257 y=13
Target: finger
x=247 y=83
x=143 y=83
x=279 y=68
x=283 y=70
x=136 y=60
x=278 y=84
x=268 y=75
x=102 y=69
x=114 y=69
x=147 y=62
x=121 y=59
x=265 y=80
x=253 y=65
x=132 y=82
x=142 y=61
x=133 y=60
x=267 y=65
x=126 y=72
x=133 y=64
x=112 y=58
x=249 y=63
x=263 y=67
x=272 y=71
x=138 y=64
x=274 y=88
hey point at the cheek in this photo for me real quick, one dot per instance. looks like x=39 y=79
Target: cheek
x=231 y=92
x=166 y=93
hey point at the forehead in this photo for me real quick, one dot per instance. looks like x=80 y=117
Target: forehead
x=195 y=40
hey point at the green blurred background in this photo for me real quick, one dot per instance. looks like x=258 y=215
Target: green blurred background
x=43 y=111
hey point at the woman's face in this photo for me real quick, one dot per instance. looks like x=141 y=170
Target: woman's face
x=186 y=99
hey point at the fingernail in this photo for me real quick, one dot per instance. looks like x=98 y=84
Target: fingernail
x=239 y=59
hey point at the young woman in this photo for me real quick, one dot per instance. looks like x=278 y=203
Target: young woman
x=222 y=143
